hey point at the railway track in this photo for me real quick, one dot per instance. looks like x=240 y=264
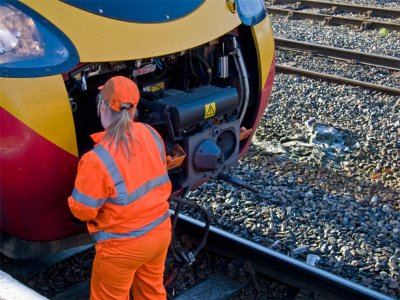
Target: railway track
x=280 y=68
x=327 y=19
x=28 y=270
x=368 y=11
x=300 y=278
x=316 y=282
x=391 y=63
x=222 y=284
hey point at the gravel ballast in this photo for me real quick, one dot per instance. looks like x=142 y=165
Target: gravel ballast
x=326 y=159
x=341 y=68
x=369 y=41
x=344 y=207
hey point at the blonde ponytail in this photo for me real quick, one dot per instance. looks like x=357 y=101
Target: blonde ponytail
x=119 y=132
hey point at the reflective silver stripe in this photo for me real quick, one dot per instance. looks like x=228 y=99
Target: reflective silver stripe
x=113 y=170
x=122 y=196
x=87 y=200
x=141 y=191
x=104 y=235
x=159 y=142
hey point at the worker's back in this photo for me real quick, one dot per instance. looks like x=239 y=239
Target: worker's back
x=139 y=187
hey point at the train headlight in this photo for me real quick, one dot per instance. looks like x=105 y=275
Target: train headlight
x=251 y=12
x=30 y=46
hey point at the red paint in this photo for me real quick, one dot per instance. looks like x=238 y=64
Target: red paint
x=263 y=103
x=36 y=179
x=66 y=74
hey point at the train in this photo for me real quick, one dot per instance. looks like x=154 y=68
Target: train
x=205 y=71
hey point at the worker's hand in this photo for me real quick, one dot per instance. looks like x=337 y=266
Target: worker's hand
x=76 y=221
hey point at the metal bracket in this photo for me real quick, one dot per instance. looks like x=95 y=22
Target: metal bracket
x=237 y=182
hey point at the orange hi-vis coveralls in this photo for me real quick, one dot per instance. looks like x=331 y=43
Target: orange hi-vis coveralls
x=125 y=204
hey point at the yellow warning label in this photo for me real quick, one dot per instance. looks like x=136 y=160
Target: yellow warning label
x=209 y=110
x=155 y=87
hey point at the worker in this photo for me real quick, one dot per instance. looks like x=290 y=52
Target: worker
x=122 y=189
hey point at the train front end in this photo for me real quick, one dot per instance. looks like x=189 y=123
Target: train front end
x=204 y=68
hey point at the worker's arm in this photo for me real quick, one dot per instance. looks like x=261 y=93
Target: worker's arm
x=91 y=188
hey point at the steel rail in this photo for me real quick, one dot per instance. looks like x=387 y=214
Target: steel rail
x=389 y=62
x=367 y=10
x=276 y=265
x=332 y=78
x=333 y=20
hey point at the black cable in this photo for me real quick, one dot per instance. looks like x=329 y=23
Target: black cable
x=172 y=245
x=205 y=62
x=191 y=66
x=180 y=203
x=155 y=76
x=185 y=78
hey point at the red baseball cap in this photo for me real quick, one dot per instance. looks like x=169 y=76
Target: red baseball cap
x=119 y=92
